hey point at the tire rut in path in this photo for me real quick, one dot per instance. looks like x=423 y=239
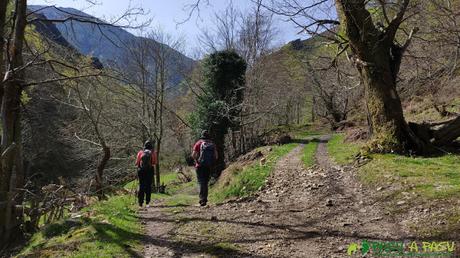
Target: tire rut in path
x=301 y=212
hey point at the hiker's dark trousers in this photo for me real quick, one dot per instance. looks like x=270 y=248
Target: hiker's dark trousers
x=203 y=174
x=145 y=185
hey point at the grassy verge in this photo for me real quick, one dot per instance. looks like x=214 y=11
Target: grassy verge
x=403 y=183
x=437 y=177
x=308 y=155
x=106 y=229
x=342 y=153
x=250 y=178
x=407 y=184
x=307 y=131
x=164 y=179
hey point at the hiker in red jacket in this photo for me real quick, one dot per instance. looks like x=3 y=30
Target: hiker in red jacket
x=204 y=153
x=145 y=163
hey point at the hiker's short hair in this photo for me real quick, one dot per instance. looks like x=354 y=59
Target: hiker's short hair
x=204 y=134
x=148 y=145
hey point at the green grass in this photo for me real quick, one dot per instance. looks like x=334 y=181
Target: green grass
x=181 y=199
x=106 y=229
x=437 y=177
x=177 y=194
x=418 y=181
x=251 y=178
x=307 y=134
x=222 y=247
x=306 y=131
x=341 y=152
x=164 y=179
x=308 y=155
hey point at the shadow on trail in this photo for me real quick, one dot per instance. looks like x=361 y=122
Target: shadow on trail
x=183 y=247
x=300 y=141
x=296 y=234
x=173 y=206
x=307 y=141
x=116 y=234
x=111 y=234
x=302 y=228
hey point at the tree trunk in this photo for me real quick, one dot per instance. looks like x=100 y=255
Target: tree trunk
x=159 y=110
x=3 y=6
x=157 y=166
x=100 y=171
x=313 y=109
x=447 y=133
x=378 y=60
x=389 y=129
x=220 y=163
x=4 y=177
x=11 y=172
x=298 y=113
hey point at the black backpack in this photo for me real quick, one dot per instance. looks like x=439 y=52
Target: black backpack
x=146 y=160
x=207 y=150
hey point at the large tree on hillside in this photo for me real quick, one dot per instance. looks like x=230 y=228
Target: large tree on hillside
x=219 y=104
x=13 y=81
x=378 y=59
x=377 y=54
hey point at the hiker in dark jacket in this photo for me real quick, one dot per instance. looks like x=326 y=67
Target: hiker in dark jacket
x=204 y=153
x=145 y=163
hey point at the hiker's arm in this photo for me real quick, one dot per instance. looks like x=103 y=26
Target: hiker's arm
x=154 y=158
x=195 y=151
x=216 y=155
x=138 y=160
x=195 y=155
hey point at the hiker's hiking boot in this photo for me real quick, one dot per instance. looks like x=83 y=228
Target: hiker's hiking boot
x=147 y=206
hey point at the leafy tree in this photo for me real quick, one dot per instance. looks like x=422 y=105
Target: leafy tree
x=219 y=105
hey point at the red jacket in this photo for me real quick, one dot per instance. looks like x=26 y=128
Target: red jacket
x=196 y=148
x=153 y=159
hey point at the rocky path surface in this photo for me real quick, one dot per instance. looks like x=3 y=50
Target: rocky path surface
x=315 y=212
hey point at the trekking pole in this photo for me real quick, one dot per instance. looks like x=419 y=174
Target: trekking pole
x=133 y=189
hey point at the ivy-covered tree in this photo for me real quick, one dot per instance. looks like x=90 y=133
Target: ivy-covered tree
x=219 y=105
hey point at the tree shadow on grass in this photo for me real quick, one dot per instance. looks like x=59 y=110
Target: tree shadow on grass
x=111 y=234
x=115 y=235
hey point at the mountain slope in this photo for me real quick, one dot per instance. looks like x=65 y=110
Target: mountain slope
x=108 y=43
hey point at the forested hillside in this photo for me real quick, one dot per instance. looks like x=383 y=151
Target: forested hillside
x=345 y=143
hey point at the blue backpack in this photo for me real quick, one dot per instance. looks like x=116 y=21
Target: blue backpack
x=207 y=150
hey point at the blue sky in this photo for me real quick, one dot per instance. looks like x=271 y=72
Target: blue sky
x=167 y=14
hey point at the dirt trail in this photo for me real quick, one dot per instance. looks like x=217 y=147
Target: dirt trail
x=301 y=212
